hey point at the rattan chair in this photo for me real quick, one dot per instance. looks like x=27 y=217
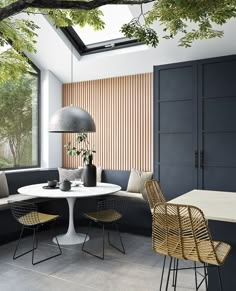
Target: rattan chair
x=28 y=216
x=108 y=213
x=181 y=232
x=154 y=193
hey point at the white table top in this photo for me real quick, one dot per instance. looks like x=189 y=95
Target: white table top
x=216 y=205
x=36 y=190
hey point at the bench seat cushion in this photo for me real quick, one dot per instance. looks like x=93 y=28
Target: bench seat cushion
x=14 y=197
x=128 y=194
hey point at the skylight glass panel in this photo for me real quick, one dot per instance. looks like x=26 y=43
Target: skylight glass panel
x=114 y=17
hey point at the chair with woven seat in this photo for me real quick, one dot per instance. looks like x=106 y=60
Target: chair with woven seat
x=181 y=232
x=154 y=193
x=29 y=217
x=108 y=212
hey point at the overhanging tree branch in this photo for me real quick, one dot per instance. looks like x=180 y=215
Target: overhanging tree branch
x=20 y=5
x=12 y=9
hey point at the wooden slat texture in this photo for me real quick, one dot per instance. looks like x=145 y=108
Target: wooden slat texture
x=122 y=111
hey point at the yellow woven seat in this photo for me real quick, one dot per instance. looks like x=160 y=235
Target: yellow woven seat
x=181 y=231
x=109 y=215
x=34 y=218
x=221 y=249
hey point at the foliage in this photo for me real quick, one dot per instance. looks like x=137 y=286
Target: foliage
x=4 y=163
x=193 y=19
x=16 y=36
x=20 y=35
x=189 y=20
x=84 y=148
x=16 y=115
x=142 y=33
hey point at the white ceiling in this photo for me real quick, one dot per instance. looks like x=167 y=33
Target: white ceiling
x=54 y=54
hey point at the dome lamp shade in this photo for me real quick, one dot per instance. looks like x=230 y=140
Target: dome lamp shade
x=71 y=119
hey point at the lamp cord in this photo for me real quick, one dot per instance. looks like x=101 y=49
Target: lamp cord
x=72 y=68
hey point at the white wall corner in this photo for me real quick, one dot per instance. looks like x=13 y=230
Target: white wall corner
x=51 y=101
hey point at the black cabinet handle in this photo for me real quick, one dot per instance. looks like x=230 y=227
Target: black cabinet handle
x=196 y=159
x=202 y=159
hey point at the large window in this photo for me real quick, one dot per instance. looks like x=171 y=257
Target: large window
x=88 y=41
x=19 y=119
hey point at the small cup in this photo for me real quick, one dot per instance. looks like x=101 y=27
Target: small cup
x=52 y=183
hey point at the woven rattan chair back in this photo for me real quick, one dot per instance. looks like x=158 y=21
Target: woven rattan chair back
x=181 y=231
x=154 y=193
x=24 y=212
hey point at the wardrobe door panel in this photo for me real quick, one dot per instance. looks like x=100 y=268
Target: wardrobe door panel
x=176 y=180
x=221 y=114
x=219 y=77
x=175 y=82
x=176 y=116
x=219 y=149
x=220 y=178
x=217 y=123
x=175 y=127
x=176 y=149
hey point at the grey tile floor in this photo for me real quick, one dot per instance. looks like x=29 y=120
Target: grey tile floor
x=139 y=269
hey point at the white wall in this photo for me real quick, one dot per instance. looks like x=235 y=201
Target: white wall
x=54 y=54
x=51 y=100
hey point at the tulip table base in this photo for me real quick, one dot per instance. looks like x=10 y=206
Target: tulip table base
x=71 y=237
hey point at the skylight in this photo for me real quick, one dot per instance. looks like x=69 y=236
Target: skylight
x=114 y=17
x=86 y=40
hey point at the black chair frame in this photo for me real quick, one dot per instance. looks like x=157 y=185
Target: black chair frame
x=102 y=225
x=35 y=243
x=176 y=268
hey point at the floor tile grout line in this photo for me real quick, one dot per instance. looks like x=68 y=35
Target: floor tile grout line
x=110 y=257
x=66 y=280
x=48 y=275
x=133 y=263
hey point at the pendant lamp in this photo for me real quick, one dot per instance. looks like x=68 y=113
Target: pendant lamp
x=71 y=118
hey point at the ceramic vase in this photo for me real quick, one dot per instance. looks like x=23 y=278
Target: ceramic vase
x=90 y=174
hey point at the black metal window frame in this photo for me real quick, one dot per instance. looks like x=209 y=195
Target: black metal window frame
x=38 y=75
x=99 y=47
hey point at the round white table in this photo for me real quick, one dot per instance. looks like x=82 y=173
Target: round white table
x=71 y=237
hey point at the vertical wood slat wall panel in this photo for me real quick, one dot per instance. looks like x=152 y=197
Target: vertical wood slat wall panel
x=122 y=110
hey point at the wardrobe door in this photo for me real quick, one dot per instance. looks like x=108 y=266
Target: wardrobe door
x=175 y=127
x=217 y=123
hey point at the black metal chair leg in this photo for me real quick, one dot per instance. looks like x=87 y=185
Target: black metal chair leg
x=205 y=274
x=17 y=246
x=176 y=273
x=168 y=276
x=35 y=242
x=55 y=236
x=220 y=280
x=162 y=273
x=34 y=237
x=103 y=243
x=121 y=242
x=173 y=277
x=18 y=243
x=87 y=233
x=195 y=273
